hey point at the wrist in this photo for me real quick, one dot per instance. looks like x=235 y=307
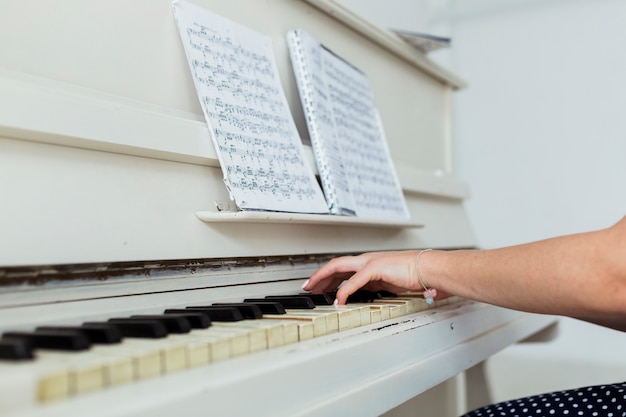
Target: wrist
x=429 y=292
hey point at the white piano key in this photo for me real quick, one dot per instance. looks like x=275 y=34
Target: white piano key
x=197 y=349
x=396 y=308
x=331 y=316
x=172 y=353
x=146 y=360
x=291 y=330
x=295 y=330
x=377 y=312
x=273 y=332
x=220 y=345
x=86 y=371
x=317 y=321
x=41 y=381
x=375 y=315
x=350 y=316
x=19 y=385
x=257 y=336
x=238 y=341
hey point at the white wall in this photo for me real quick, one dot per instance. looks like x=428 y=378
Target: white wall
x=541 y=139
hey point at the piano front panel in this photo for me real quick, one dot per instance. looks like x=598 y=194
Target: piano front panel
x=104 y=144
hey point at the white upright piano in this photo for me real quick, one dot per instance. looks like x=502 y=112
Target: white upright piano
x=109 y=188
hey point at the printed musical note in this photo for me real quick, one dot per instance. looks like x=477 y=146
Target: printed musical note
x=237 y=82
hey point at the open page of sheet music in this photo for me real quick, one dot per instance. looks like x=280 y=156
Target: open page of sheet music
x=346 y=130
x=306 y=59
x=256 y=139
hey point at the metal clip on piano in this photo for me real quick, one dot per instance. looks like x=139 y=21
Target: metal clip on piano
x=109 y=184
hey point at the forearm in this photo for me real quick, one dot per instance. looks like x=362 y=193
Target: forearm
x=579 y=275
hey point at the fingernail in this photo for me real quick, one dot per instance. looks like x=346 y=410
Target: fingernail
x=305 y=284
x=336 y=302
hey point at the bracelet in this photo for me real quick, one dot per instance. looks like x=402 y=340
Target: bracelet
x=429 y=293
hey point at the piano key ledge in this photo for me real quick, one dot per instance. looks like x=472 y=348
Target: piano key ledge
x=299 y=218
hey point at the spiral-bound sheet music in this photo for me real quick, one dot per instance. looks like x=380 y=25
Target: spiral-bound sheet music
x=256 y=139
x=346 y=131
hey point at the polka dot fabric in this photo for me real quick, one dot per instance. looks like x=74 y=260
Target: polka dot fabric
x=595 y=401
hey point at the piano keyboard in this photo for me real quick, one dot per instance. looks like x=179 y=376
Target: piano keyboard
x=51 y=363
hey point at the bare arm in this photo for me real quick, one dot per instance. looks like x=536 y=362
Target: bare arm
x=581 y=276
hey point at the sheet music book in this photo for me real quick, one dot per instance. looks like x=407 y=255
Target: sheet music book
x=351 y=152
x=256 y=139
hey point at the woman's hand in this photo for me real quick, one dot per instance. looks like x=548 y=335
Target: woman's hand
x=391 y=271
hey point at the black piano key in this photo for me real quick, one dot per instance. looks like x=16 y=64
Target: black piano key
x=102 y=333
x=323 y=299
x=53 y=339
x=386 y=294
x=365 y=296
x=219 y=313
x=288 y=302
x=248 y=311
x=174 y=323
x=197 y=319
x=15 y=349
x=270 y=307
x=151 y=329
x=362 y=296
